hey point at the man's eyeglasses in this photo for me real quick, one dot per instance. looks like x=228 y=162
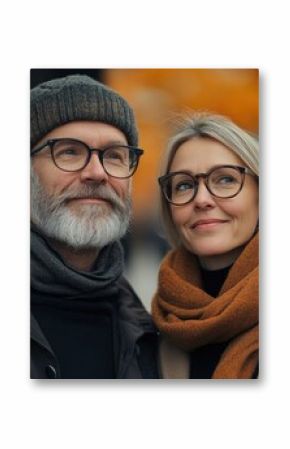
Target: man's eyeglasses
x=224 y=181
x=72 y=155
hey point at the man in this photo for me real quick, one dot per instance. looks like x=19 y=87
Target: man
x=87 y=322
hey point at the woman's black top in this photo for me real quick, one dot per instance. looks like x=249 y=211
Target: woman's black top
x=204 y=360
x=212 y=281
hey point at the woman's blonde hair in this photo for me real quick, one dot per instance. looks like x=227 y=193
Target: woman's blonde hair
x=205 y=125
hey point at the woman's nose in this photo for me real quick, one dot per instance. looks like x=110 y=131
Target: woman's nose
x=203 y=198
x=94 y=170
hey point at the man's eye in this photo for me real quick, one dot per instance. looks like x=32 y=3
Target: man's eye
x=67 y=152
x=115 y=155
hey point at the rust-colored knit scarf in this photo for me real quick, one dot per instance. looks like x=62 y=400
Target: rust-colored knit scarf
x=191 y=318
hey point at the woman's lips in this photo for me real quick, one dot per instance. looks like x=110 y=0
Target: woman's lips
x=207 y=224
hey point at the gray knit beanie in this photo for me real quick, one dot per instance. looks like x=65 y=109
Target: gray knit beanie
x=78 y=97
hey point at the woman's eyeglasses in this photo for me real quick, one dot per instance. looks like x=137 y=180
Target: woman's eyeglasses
x=224 y=181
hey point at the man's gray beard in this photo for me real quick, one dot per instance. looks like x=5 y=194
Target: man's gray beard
x=93 y=226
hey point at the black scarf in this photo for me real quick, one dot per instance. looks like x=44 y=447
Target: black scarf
x=51 y=276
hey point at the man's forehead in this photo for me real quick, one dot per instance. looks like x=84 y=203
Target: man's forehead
x=91 y=132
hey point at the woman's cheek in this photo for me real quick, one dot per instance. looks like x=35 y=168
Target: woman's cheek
x=180 y=216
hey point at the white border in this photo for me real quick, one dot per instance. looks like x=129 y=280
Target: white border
x=153 y=414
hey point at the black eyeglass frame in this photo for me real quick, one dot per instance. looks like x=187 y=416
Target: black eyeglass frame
x=51 y=142
x=162 y=180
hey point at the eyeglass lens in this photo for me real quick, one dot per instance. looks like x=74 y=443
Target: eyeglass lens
x=70 y=155
x=222 y=182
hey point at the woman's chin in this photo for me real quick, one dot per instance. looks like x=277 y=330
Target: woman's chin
x=207 y=250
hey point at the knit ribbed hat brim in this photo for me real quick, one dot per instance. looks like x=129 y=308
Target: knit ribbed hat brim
x=78 y=97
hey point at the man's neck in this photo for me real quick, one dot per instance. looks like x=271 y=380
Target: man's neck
x=80 y=259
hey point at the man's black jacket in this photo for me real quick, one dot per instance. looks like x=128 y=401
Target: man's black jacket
x=137 y=346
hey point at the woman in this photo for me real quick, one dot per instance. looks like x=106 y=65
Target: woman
x=206 y=304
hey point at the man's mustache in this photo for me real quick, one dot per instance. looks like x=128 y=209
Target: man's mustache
x=91 y=191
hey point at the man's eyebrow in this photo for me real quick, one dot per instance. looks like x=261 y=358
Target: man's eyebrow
x=115 y=142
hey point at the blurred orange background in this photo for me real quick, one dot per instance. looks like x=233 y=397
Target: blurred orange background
x=156 y=95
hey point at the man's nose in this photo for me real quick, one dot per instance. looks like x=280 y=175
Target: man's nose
x=94 y=171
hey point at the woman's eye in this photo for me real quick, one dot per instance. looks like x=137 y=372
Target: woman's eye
x=183 y=186
x=226 y=180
